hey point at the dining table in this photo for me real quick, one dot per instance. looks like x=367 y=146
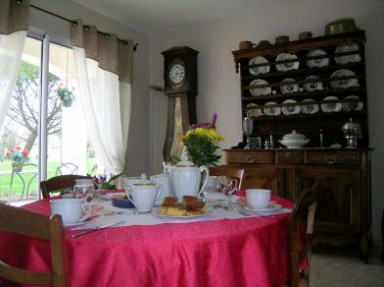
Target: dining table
x=224 y=247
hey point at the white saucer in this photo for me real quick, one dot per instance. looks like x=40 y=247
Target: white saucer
x=77 y=223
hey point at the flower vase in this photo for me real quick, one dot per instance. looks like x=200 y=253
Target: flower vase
x=17 y=166
x=67 y=103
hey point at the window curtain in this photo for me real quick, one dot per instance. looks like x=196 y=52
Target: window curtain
x=13 y=31
x=104 y=69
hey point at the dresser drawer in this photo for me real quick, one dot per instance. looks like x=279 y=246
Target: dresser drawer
x=250 y=157
x=289 y=156
x=333 y=158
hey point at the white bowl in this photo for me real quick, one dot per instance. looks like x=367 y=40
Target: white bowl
x=258 y=198
x=294 y=143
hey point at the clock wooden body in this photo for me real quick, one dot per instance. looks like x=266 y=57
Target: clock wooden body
x=180 y=80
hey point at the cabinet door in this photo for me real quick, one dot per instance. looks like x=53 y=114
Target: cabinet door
x=265 y=177
x=338 y=208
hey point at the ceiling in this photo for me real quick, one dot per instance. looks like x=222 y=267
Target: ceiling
x=150 y=16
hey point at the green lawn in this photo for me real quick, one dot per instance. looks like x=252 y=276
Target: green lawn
x=14 y=185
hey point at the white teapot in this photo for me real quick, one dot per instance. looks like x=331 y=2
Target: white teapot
x=186 y=179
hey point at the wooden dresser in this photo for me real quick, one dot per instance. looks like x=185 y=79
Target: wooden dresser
x=313 y=86
x=343 y=214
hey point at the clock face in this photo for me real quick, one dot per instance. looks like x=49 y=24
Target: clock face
x=177 y=74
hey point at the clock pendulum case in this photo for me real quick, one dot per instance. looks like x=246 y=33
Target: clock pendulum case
x=180 y=79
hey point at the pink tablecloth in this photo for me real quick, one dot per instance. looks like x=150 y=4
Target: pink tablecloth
x=229 y=252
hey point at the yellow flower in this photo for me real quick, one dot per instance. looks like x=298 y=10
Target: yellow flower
x=212 y=134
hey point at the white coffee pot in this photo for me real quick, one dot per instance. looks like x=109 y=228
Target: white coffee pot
x=164 y=180
x=186 y=179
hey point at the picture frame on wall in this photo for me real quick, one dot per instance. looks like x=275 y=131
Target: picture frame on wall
x=255 y=143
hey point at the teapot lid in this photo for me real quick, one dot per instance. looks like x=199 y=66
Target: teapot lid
x=186 y=163
x=143 y=181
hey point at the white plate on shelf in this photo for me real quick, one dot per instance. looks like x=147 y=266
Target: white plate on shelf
x=353 y=106
x=314 y=84
x=309 y=109
x=260 y=69
x=156 y=212
x=284 y=67
x=290 y=110
x=338 y=80
x=273 y=111
x=351 y=47
x=253 y=110
x=262 y=91
x=291 y=88
x=317 y=62
x=332 y=106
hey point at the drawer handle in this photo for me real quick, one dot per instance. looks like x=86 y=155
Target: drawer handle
x=250 y=159
x=289 y=154
x=330 y=160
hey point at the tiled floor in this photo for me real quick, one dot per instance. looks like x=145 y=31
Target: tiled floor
x=341 y=267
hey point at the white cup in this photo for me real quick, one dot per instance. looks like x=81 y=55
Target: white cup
x=258 y=198
x=211 y=183
x=72 y=210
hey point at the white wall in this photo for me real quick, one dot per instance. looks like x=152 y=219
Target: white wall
x=138 y=150
x=219 y=85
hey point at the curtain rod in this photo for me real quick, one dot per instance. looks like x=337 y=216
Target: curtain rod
x=75 y=22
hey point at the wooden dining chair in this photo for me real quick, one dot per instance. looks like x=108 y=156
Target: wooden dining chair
x=303 y=216
x=230 y=172
x=23 y=222
x=60 y=182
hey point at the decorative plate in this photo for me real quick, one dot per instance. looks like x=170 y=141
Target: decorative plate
x=338 y=80
x=353 y=106
x=314 y=84
x=253 y=111
x=284 y=67
x=289 y=89
x=290 y=110
x=255 y=91
x=260 y=69
x=354 y=58
x=332 y=106
x=317 y=62
x=310 y=108
x=275 y=111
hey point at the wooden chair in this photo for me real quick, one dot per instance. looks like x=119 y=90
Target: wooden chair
x=59 y=182
x=24 y=222
x=230 y=172
x=303 y=215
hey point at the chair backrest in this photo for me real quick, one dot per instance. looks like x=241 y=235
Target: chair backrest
x=303 y=215
x=59 y=182
x=230 y=172
x=24 y=222
x=66 y=168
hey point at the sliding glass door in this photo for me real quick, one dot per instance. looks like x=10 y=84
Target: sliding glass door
x=44 y=133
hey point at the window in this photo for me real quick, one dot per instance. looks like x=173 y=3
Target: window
x=59 y=114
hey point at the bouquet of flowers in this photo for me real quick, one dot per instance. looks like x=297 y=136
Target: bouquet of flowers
x=201 y=142
x=17 y=155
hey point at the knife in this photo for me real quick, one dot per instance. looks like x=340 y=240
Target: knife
x=96 y=228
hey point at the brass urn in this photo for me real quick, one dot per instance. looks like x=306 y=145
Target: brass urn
x=352 y=132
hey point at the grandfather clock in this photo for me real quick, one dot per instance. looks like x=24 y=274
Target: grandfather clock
x=180 y=78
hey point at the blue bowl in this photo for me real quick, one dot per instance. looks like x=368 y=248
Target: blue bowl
x=123 y=203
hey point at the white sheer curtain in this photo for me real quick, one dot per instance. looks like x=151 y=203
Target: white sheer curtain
x=13 y=26
x=105 y=92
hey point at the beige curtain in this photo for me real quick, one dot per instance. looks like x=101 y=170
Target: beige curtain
x=104 y=69
x=13 y=31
